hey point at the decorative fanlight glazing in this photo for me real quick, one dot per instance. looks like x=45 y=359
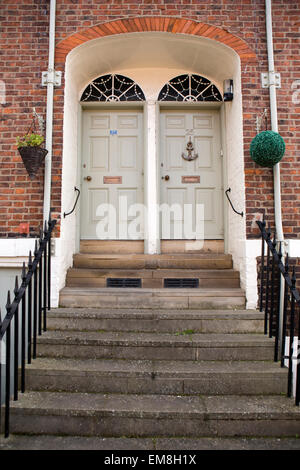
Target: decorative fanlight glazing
x=113 y=88
x=189 y=88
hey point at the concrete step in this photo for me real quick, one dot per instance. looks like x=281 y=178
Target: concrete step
x=156 y=377
x=94 y=414
x=163 y=261
x=155 y=346
x=202 y=298
x=152 y=278
x=151 y=320
x=49 y=442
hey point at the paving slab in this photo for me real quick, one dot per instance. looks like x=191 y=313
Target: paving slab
x=46 y=442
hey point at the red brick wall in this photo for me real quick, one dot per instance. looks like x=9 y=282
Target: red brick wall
x=24 y=55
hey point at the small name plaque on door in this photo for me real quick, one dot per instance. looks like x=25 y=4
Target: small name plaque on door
x=190 y=179
x=112 y=179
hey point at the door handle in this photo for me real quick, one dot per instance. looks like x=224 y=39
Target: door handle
x=88 y=178
x=166 y=178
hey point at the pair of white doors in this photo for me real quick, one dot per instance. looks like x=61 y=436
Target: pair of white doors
x=189 y=170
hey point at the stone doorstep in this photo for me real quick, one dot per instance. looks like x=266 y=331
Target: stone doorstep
x=153 y=314
x=164 y=377
x=153 y=406
x=164 y=261
x=155 y=346
x=205 y=340
x=160 y=415
x=156 y=321
x=152 y=278
x=145 y=368
x=153 y=298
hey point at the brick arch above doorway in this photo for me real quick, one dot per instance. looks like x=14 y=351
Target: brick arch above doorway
x=155 y=24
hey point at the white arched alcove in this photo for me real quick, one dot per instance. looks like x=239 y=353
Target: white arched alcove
x=151 y=59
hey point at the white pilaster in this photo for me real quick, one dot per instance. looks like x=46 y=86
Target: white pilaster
x=152 y=239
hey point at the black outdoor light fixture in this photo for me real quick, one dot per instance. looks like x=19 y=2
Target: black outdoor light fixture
x=228 y=90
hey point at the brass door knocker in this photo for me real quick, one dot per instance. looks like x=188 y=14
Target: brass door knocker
x=191 y=155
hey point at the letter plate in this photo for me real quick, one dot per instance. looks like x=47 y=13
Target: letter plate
x=190 y=179
x=112 y=179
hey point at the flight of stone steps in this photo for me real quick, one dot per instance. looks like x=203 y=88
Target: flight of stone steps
x=154 y=368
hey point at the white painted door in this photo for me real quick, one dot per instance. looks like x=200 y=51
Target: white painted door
x=194 y=185
x=112 y=175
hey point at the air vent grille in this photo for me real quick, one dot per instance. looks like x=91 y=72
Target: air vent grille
x=181 y=283
x=129 y=282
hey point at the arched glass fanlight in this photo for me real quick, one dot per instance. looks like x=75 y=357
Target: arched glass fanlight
x=112 y=87
x=190 y=88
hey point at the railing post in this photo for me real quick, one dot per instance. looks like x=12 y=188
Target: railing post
x=267 y=285
x=292 y=325
x=277 y=339
x=297 y=400
x=40 y=286
x=0 y=373
x=35 y=302
x=23 y=330
x=272 y=291
x=285 y=304
x=262 y=267
x=16 y=343
x=7 y=370
x=49 y=262
x=45 y=280
x=29 y=309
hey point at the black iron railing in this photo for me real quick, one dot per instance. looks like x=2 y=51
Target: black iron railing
x=280 y=301
x=26 y=318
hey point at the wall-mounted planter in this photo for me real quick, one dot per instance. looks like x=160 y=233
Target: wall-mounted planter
x=33 y=158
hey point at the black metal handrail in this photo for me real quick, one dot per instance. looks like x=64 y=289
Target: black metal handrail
x=33 y=298
x=273 y=273
x=239 y=213
x=75 y=204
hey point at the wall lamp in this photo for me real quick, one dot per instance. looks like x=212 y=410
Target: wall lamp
x=228 y=90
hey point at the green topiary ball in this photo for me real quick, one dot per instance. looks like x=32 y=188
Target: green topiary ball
x=267 y=148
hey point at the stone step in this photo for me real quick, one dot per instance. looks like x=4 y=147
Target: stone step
x=163 y=261
x=114 y=415
x=151 y=320
x=49 y=442
x=137 y=246
x=152 y=278
x=155 y=346
x=201 y=298
x=156 y=377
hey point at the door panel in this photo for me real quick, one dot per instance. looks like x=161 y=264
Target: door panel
x=199 y=179
x=112 y=160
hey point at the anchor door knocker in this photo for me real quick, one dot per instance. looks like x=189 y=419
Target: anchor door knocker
x=191 y=155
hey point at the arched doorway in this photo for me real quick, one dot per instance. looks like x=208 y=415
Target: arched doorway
x=151 y=60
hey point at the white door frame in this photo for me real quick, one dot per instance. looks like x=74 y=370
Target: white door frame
x=151 y=116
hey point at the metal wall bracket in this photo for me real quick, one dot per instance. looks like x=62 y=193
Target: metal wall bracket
x=51 y=76
x=52 y=245
x=270 y=78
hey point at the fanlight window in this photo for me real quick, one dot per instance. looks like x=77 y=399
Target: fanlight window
x=113 y=88
x=189 y=87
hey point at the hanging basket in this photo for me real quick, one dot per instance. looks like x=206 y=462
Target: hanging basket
x=267 y=148
x=33 y=158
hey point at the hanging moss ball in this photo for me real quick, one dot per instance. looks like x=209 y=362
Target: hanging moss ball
x=267 y=148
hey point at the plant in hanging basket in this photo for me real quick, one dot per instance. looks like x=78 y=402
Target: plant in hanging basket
x=32 y=154
x=267 y=148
